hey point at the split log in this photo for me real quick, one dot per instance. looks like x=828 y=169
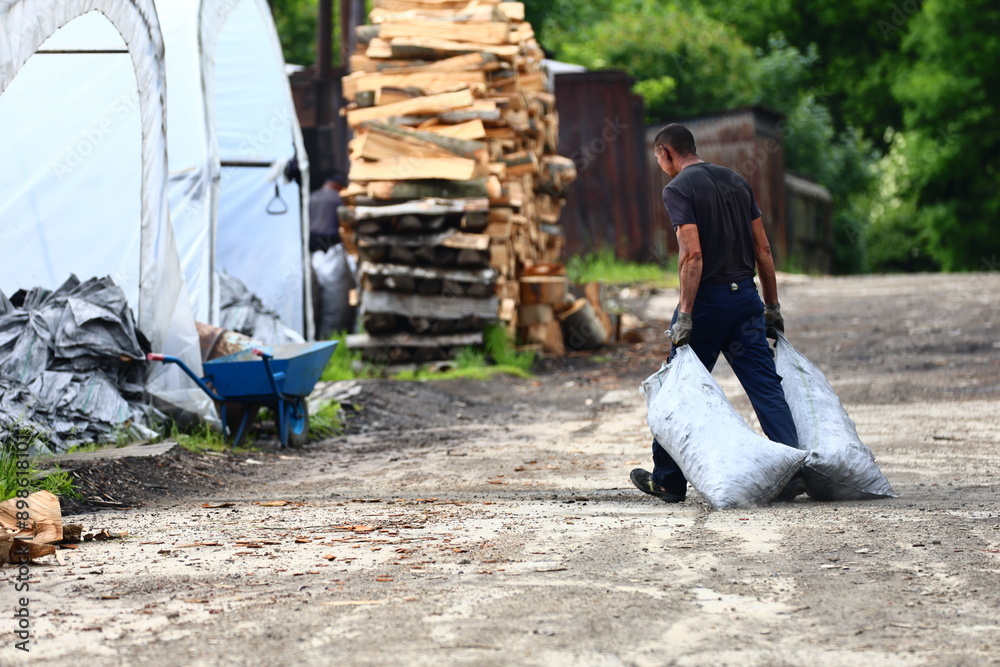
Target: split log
x=478 y=61
x=403 y=169
x=430 y=82
x=595 y=294
x=549 y=335
x=428 y=188
x=364 y=341
x=492 y=33
x=513 y=11
x=420 y=48
x=524 y=162
x=543 y=289
x=582 y=329
x=426 y=5
x=428 y=206
x=421 y=305
x=482 y=114
x=407 y=142
x=535 y=313
x=468 y=130
x=430 y=104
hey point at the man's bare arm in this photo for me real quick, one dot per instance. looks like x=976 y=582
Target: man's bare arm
x=765 y=262
x=689 y=264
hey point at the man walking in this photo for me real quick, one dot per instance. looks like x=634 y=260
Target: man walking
x=721 y=239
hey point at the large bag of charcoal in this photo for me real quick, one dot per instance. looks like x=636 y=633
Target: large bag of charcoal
x=839 y=466
x=725 y=461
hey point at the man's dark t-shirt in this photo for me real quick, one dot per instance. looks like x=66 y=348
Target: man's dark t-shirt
x=324 y=226
x=722 y=204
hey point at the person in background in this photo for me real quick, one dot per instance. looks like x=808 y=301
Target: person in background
x=324 y=225
x=721 y=242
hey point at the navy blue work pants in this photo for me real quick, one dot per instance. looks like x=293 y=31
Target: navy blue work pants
x=729 y=318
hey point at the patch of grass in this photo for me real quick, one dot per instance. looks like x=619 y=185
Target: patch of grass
x=89 y=447
x=326 y=422
x=603 y=266
x=500 y=348
x=346 y=364
x=59 y=483
x=14 y=468
x=203 y=438
x=473 y=363
x=424 y=374
x=601 y=359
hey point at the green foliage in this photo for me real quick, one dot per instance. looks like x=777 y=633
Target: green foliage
x=603 y=266
x=296 y=24
x=474 y=363
x=691 y=63
x=500 y=348
x=326 y=422
x=346 y=364
x=15 y=467
x=950 y=96
x=201 y=439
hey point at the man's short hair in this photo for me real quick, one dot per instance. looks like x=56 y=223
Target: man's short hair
x=678 y=138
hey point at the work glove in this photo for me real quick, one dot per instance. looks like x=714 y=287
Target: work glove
x=773 y=320
x=680 y=331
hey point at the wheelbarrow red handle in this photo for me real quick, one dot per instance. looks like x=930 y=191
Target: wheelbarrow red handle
x=153 y=356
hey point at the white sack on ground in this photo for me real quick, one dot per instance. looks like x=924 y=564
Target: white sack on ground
x=839 y=466
x=725 y=461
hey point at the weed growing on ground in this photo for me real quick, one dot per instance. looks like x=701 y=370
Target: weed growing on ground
x=14 y=468
x=203 y=438
x=346 y=364
x=473 y=363
x=604 y=267
x=326 y=422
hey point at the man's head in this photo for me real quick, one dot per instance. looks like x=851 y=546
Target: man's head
x=672 y=145
x=334 y=182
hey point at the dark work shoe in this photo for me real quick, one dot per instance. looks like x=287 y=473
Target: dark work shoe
x=643 y=481
x=796 y=487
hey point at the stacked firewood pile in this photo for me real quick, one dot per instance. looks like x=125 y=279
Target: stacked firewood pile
x=455 y=185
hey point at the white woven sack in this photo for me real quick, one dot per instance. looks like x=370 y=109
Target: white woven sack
x=725 y=461
x=840 y=466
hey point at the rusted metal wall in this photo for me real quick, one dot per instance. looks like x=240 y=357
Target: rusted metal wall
x=601 y=129
x=809 y=225
x=748 y=141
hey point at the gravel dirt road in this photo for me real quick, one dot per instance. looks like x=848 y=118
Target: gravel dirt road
x=471 y=523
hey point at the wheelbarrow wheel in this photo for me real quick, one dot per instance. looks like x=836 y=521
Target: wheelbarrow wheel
x=297 y=418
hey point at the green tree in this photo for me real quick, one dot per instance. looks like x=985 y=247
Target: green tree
x=950 y=148
x=296 y=24
x=685 y=61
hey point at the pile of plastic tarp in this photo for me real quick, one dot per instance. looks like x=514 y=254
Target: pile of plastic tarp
x=70 y=364
x=243 y=311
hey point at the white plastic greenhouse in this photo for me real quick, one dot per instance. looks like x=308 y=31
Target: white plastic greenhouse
x=83 y=167
x=231 y=128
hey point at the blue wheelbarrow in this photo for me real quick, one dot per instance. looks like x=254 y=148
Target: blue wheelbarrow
x=277 y=376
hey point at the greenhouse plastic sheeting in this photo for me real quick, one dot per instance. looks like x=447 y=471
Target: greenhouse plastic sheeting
x=84 y=192
x=230 y=101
